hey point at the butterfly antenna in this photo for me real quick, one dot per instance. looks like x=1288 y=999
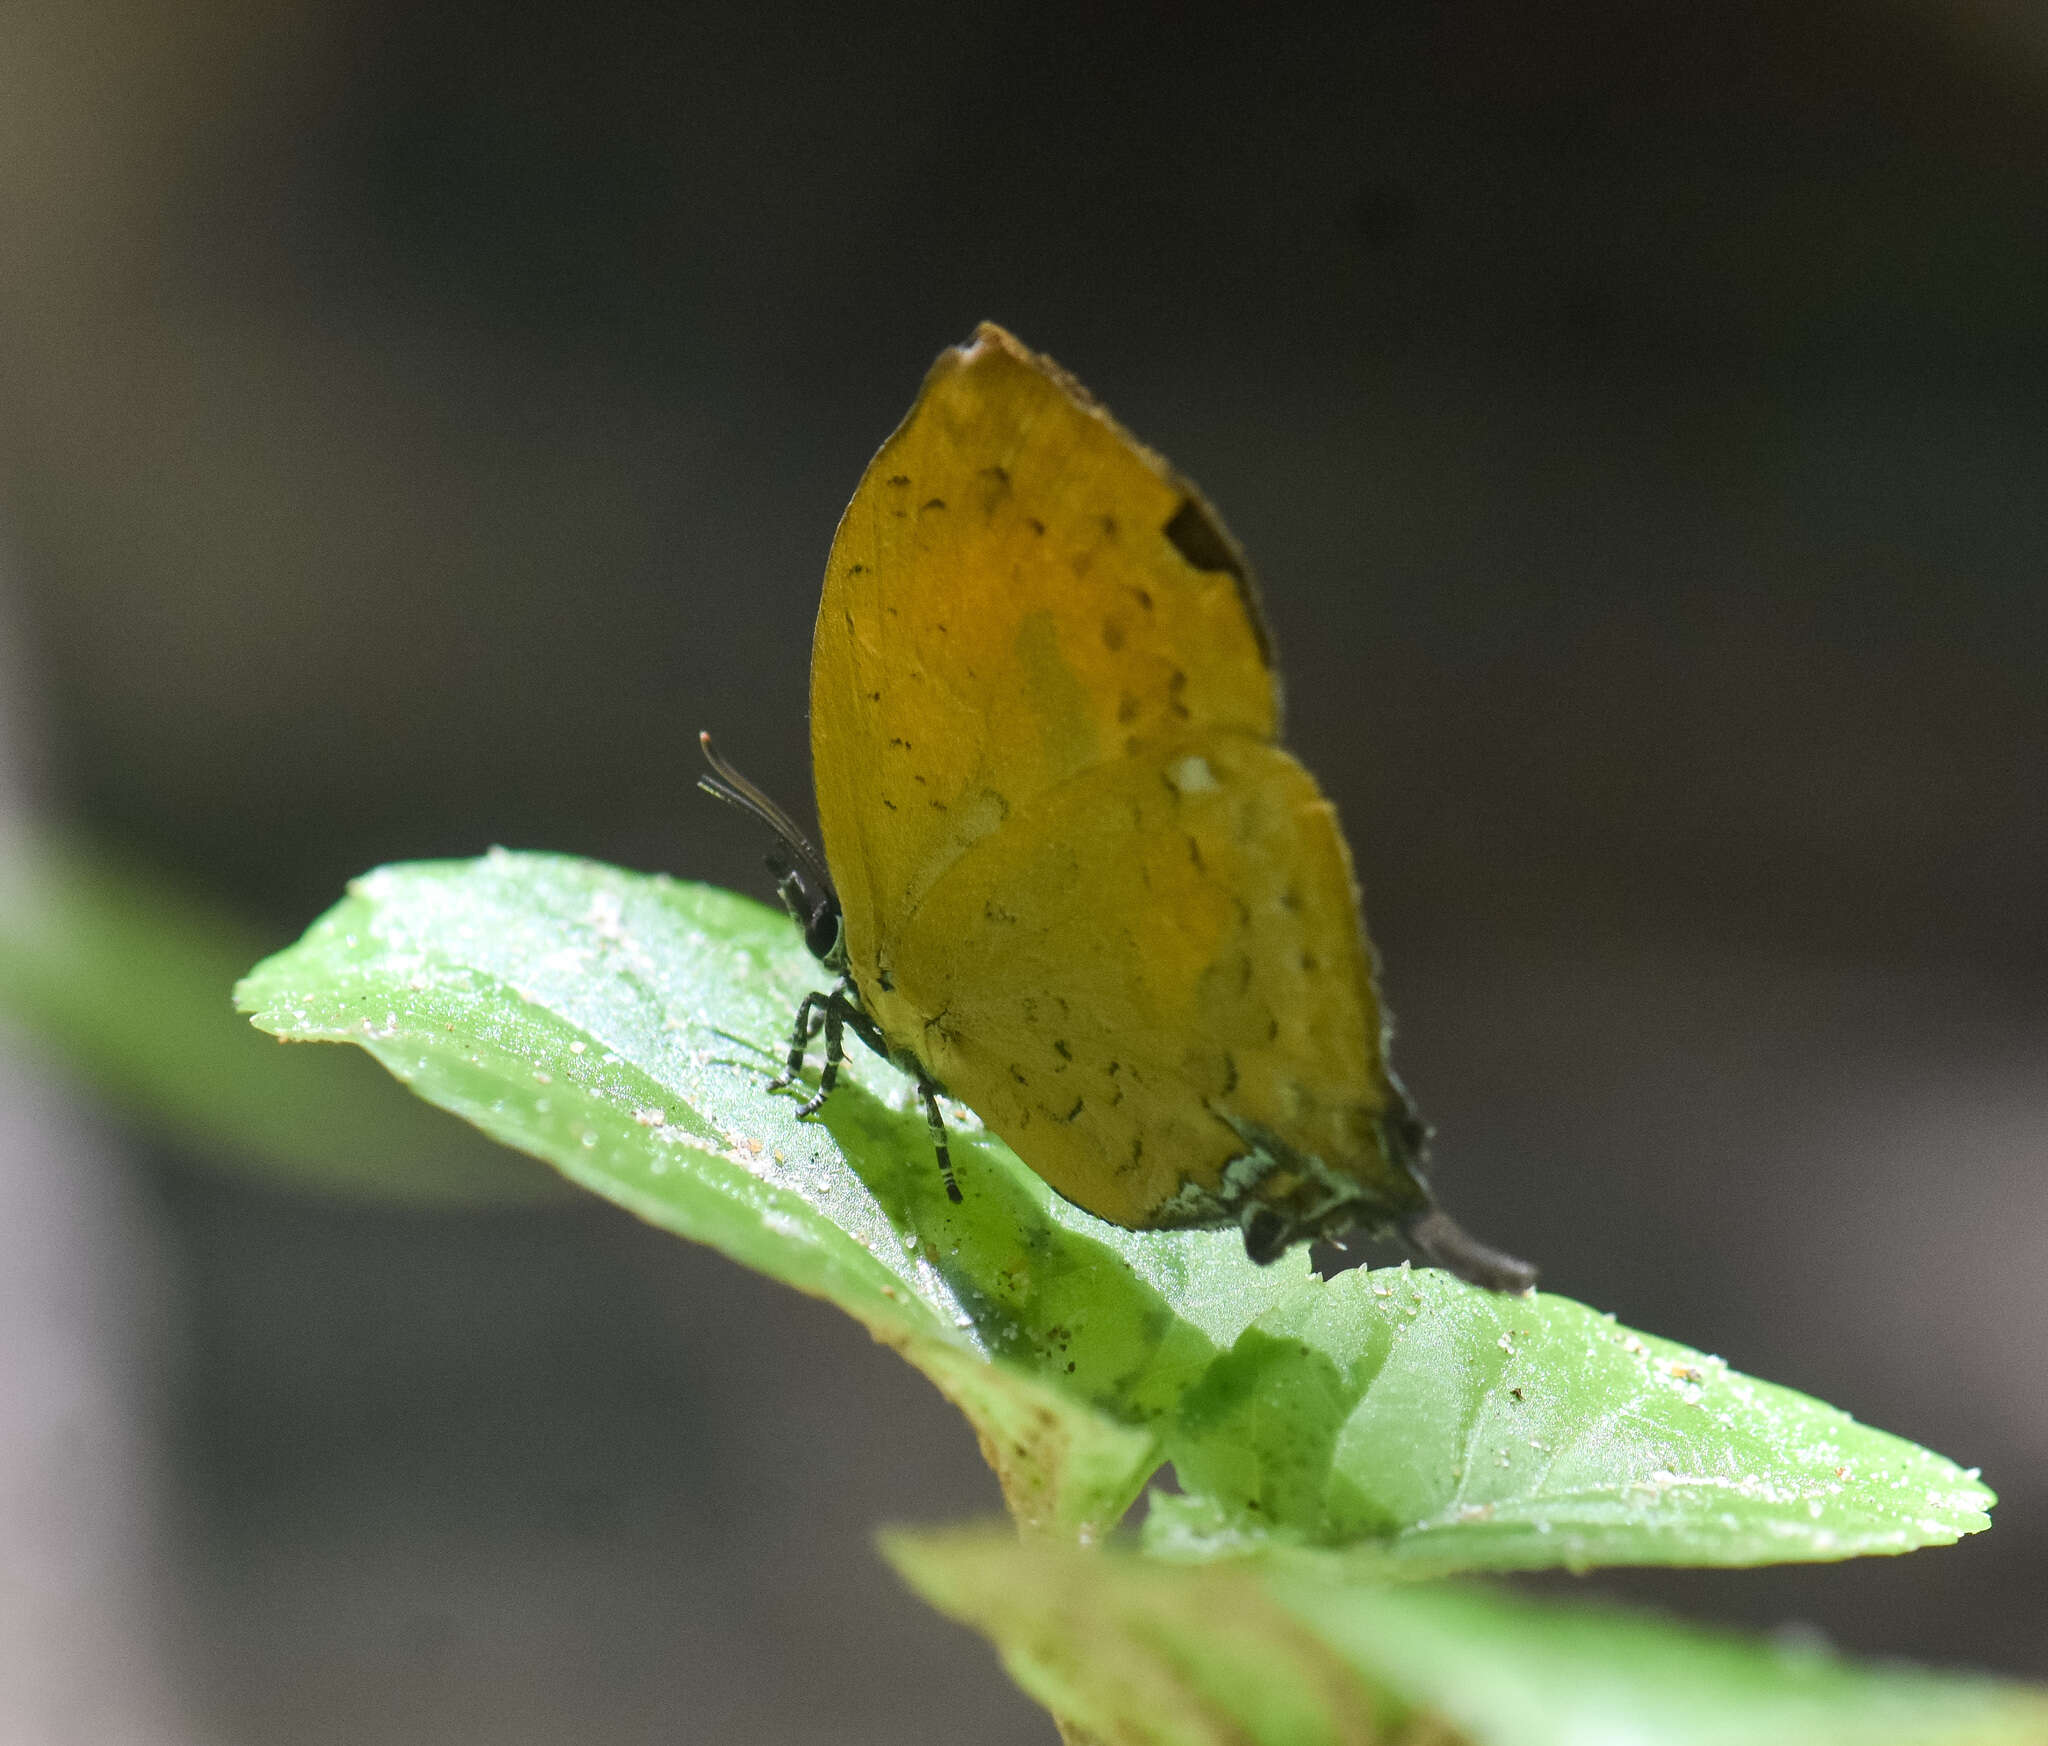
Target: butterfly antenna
x=727 y=784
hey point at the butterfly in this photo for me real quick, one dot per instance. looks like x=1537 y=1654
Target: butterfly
x=1069 y=876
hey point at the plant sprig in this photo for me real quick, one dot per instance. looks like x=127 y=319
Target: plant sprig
x=624 y=1027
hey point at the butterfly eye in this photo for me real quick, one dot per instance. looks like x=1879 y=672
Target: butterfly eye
x=823 y=932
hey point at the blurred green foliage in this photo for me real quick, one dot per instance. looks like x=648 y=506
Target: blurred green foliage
x=125 y=978
x=1124 y=1650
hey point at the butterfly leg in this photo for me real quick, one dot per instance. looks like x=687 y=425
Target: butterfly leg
x=835 y=1052
x=938 y=1127
x=808 y=1016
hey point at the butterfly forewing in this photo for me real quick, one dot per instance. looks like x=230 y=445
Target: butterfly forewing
x=1004 y=606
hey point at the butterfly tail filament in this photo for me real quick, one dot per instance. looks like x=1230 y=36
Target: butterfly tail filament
x=1444 y=1242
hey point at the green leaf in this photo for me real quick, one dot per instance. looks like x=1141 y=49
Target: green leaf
x=1123 y=1648
x=624 y=1028
x=127 y=979
x=1433 y=1428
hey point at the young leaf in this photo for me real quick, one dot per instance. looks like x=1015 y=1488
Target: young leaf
x=1439 y=1428
x=625 y=1027
x=1122 y=1648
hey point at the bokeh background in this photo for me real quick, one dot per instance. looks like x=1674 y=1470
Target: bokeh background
x=417 y=420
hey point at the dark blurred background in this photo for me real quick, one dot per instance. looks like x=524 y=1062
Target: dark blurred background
x=416 y=421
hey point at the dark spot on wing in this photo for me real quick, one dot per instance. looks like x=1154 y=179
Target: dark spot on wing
x=1109 y=528
x=1127 y=709
x=1195 y=533
x=1176 y=688
x=933 y=503
x=1309 y=962
x=1072 y=1113
x=1017 y=1074
x=899 y=479
x=1035 y=525
x=1059 y=1048
x=1112 y=635
x=995 y=486
x=883 y=980
x=1229 y=1073
x=1195 y=855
